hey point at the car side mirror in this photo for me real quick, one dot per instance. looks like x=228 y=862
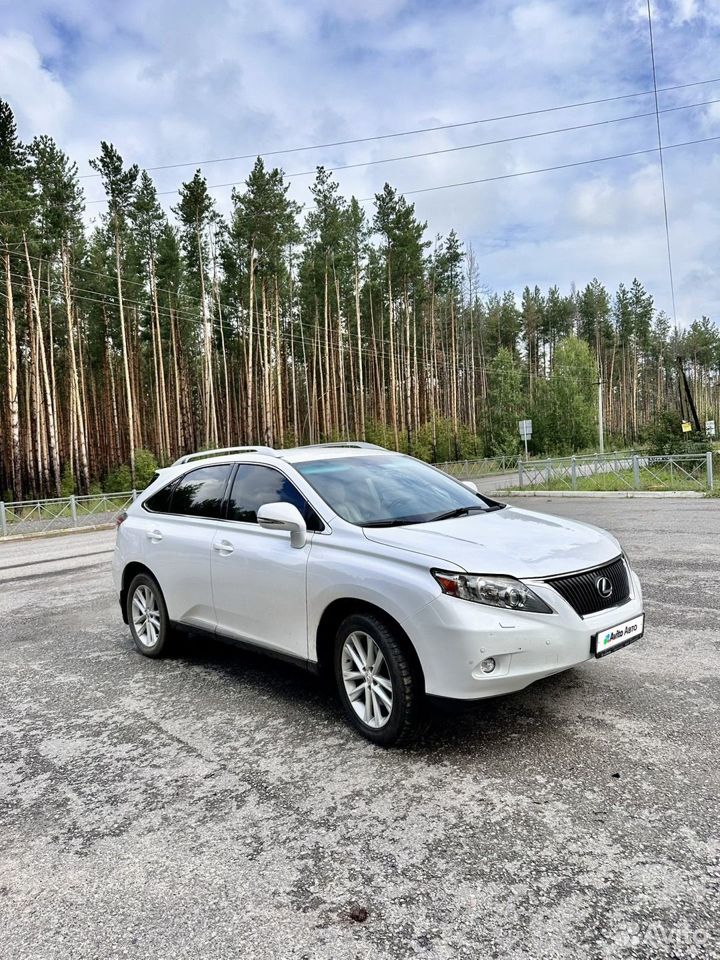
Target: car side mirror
x=284 y=516
x=470 y=485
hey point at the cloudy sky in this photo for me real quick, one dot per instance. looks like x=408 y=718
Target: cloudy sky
x=173 y=81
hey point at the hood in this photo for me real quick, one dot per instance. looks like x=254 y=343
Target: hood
x=519 y=543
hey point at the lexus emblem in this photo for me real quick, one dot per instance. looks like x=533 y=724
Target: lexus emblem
x=604 y=587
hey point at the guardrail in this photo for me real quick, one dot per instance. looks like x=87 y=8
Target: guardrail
x=486 y=466
x=23 y=517
x=684 y=471
x=471 y=469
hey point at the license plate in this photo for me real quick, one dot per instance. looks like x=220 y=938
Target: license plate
x=624 y=633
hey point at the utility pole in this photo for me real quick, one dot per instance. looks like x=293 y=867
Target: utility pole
x=601 y=432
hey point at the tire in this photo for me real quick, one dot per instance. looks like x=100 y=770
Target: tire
x=151 y=635
x=390 y=713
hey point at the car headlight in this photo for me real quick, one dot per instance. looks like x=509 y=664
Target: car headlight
x=505 y=592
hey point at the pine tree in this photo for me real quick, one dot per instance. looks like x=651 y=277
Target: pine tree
x=119 y=186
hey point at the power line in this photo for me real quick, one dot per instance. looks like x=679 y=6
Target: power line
x=420 y=130
x=507 y=176
x=662 y=163
x=470 y=146
x=429 y=153
x=559 y=166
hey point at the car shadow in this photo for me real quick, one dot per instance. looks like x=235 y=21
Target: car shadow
x=449 y=727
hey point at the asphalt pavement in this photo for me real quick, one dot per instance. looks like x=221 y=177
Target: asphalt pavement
x=216 y=805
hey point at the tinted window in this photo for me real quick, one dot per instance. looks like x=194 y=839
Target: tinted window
x=254 y=485
x=200 y=492
x=160 y=502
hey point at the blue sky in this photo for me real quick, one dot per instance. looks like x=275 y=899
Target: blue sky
x=173 y=81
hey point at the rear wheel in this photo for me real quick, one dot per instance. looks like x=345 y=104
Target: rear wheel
x=379 y=684
x=147 y=616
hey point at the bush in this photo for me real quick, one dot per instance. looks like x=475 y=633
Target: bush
x=67 y=482
x=145 y=467
x=666 y=436
x=118 y=480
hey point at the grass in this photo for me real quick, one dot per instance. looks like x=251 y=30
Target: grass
x=61 y=510
x=655 y=479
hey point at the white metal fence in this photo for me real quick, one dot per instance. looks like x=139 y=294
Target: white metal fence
x=472 y=469
x=24 y=517
x=635 y=471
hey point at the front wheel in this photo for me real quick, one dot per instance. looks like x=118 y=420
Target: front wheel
x=147 y=616
x=379 y=684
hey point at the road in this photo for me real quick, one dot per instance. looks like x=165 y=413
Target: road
x=216 y=805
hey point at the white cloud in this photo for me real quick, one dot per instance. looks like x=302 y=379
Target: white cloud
x=167 y=84
x=38 y=98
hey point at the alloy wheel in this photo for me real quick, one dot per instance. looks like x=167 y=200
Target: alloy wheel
x=146 y=616
x=367 y=680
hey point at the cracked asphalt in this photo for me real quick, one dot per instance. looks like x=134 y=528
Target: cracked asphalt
x=216 y=805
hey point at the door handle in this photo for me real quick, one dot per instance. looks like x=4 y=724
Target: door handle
x=154 y=536
x=223 y=547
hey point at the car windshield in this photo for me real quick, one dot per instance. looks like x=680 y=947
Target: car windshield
x=390 y=490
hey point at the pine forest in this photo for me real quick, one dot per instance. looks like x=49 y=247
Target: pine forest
x=149 y=335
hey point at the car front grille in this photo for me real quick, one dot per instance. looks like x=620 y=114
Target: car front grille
x=581 y=589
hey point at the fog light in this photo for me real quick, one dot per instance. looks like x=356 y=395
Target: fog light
x=488 y=665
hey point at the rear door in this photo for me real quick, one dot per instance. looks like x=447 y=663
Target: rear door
x=179 y=524
x=259 y=579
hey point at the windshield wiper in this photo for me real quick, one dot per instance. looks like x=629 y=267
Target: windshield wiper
x=459 y=512
x=395 y=522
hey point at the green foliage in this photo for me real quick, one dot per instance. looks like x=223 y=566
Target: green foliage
x=118 y=480
x=506 y=401
x=67 y=482
x=59 y=195
x=565 y=406
x=436 y=443
x=145 y=467
x=665 y=435
x=118 y=183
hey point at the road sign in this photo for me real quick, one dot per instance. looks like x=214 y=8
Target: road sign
x=710 y=428
x=686 y=426
x=525 y=428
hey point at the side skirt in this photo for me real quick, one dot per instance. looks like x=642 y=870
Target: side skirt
x=311 y=666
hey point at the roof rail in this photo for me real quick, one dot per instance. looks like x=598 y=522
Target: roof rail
x=359 y=444
x=223 y=451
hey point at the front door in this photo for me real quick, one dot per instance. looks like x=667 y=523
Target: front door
x=259 y=579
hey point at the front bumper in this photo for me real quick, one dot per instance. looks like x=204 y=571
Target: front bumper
x=452 y=637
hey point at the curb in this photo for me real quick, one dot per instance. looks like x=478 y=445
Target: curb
x=607 y=494
x=46 y=534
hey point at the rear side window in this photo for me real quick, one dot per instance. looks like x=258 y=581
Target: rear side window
x=200 y=492
x=160 y=502
x=255 y=485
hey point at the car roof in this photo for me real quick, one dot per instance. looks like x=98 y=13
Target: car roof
x=268 y=455
x=331 y=452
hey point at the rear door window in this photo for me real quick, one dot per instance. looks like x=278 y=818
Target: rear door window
x=200 y=493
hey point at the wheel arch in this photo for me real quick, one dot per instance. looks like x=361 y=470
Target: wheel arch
x=129 y=573
x=343 y=607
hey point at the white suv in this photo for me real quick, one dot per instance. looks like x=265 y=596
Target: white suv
x=374 y=568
